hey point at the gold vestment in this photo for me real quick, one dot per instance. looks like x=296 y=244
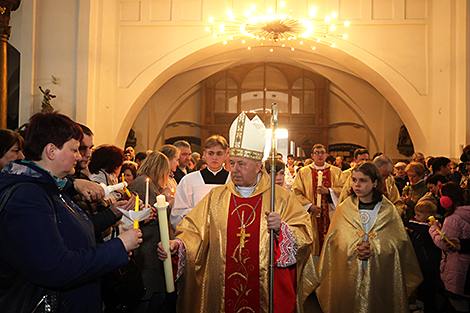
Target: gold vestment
x=304 y=192
x=392 y=272
x=204 y=234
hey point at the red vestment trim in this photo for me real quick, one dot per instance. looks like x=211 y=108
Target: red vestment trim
x=242 y=264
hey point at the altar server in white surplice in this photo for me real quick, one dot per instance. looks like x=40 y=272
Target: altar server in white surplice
x=194 y=186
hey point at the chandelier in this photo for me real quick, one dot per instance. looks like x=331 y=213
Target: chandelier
x=277 y=29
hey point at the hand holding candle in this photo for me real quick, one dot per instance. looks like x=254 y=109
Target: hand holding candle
x=320 y=183
x=443 y=235
x=165 y=239
x=147 y=181
x=136 y=223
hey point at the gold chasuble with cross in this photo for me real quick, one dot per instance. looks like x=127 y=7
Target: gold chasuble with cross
x=226 y=240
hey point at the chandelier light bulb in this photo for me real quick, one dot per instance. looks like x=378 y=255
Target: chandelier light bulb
x=347 y=23
x=270 y=10
x=334 y=15
x=313 y=48
x=345 y=36
x=332 y=27
x=271 y=50
x=208 y=29
x=215 y=35
x=327 y=19
x=252 y=7
x=301 y=42
x=282 y=4
x=211 y=19
x=222 y=28
x=249 y=48
x=243 y=41
x=247 y=13
x=332 y=45
x=292 y=49
x=313 y=12
x=225 y=42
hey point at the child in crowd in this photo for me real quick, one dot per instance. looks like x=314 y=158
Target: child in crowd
x=453 y=264
x=429 y=255
x=280 y=172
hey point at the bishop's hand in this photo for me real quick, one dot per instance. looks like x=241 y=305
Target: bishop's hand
x=274 y=221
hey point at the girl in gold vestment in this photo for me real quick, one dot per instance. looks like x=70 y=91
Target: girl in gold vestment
x=367 y=263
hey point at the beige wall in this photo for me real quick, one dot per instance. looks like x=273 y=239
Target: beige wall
x=403 y=61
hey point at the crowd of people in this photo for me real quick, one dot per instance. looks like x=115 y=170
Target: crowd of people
x=358 y=235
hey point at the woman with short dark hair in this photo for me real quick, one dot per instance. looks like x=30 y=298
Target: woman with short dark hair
x=46 y=240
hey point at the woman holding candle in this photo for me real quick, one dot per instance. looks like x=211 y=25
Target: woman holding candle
x=152 y=177
x=366 y=236
x=46 y=240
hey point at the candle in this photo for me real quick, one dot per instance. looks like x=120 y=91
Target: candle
x=433 y=220
x=109 y=189
x=136 y=223
x=165 y=238
x=320 y=183
x=122 y=177
x=147 y=181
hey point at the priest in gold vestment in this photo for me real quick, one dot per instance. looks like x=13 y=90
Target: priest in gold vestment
x=383 y=277
x=221 y=250
x=307 y=189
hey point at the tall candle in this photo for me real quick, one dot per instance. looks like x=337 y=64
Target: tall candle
x=320 y=183
x=165 y=239
x=147 y=181
x=136 y=223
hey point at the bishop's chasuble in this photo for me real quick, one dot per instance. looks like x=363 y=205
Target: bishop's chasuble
x=305 y=190
x=392 y=271
x=226 y=241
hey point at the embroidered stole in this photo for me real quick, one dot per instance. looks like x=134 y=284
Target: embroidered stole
x=323 y=222
x=242 y=290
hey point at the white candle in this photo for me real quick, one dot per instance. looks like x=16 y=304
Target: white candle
x=165 y=239
x=111 y=188
x=147 y=181
x=320 y=183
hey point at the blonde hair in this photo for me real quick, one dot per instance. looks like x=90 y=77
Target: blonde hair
x=426 y=207
x=157 y=167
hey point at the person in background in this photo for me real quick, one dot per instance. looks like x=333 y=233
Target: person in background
x=196 y=156
x=194 y=186
x=45 y=238
x=434 y=183
x=367 y=236
x=11 y=146
x=155 y=167
x=105 y=166
x=306 y=191
x=280 y=172
x=428 y=254
x=185 y=156
x=140 y=157
x=202 y=164
x=400 y=176
x=441 y=166
x=129 y=170
x=416 y=189
x=173 y=155
x=192 y=164
x=454 y=265
x=130 y=153
x=330 y=160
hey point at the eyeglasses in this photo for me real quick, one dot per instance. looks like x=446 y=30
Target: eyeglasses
x=319 y=152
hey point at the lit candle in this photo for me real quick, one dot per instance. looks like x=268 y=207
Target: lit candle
x=165 y=238
x=320 y=183
x=147 y=181
x=136 y=223
x=122 y=177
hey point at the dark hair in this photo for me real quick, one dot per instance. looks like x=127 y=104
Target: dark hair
x=200 y=163
x=140 y=156
x=86 y=130
x=434 y=179
x=377 y=154
x=465 y=157
x=430 y=161
x=131 y=167
x=439 y=162
x=360 y=151
x=290 y=156
x=8 y=138
x=279 y=166
x=453 y=191
x=331 y=159
x=46 y=128
x=319 y=146
x=106 y=157
x=370 y=169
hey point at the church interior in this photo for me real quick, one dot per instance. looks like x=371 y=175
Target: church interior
x=149 y=72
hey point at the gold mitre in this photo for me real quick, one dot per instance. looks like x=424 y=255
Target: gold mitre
x=247 y=138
